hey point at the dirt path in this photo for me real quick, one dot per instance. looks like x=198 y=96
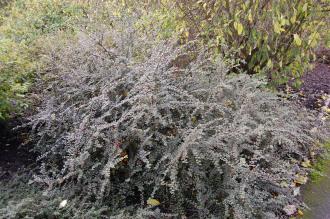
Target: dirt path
x=317 y=84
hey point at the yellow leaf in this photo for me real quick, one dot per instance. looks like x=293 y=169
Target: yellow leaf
x=250 y=17
x=297 y=39
x=205 y=5
x=239 y=28
x=281 y=64
x=301 y=179
x=250 y=50
x=306 y=163
x=284 y=184
x=293 y=19
x=244 y=7
x=283 y=21
x=313 y=39
x=305 y=7
x=186 y=34
x=300 y=213
x=269 y=63
x=324 y=97
x=278 y=28
x=153 y=202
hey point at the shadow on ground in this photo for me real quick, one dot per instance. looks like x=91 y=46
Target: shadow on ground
x=15 y=152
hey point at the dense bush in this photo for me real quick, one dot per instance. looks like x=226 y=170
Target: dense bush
x=138 y=121
x=22 y=26
x=276 y=37
x=114 y=134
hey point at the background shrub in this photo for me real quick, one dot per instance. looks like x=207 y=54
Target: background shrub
x=276 y=37
x=22 y=26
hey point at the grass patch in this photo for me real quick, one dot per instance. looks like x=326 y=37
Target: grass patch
x=322 y=164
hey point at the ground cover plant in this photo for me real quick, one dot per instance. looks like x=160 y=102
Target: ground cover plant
x=137 y=120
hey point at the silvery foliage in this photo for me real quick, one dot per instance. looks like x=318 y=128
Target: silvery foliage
x=114 y=133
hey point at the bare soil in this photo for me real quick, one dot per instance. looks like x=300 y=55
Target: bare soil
x=15 y=153
x=316 y=83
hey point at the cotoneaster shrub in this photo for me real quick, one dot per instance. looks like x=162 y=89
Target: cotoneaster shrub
x=114 y=133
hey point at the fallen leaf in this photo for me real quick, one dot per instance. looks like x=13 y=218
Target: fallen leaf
x=153 y=202
x=193 y=119
x=306 y=163
x=300 y=213
x=301 y=180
